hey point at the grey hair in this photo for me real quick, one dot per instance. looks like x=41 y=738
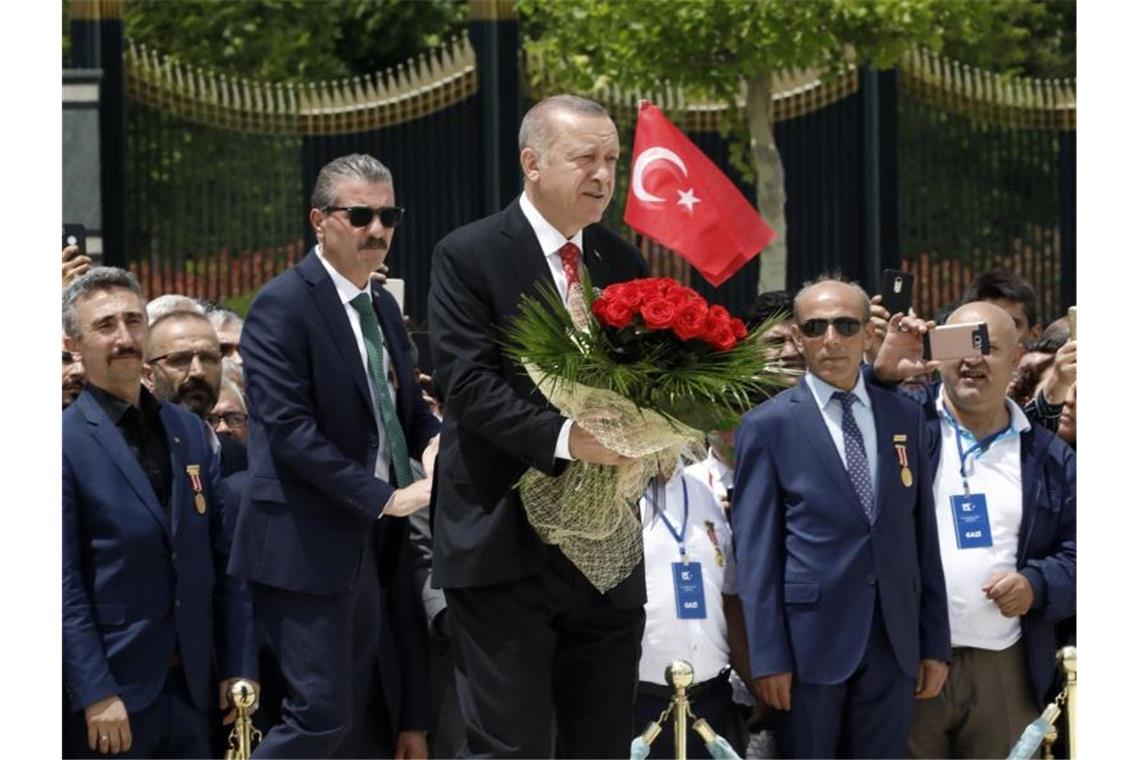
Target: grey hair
x=233 y=372
x=223 y=317
x=537 y=132
x=168 y=303
x=229 y=385
x=832 y=277
x=96 y=279
x=355 y=166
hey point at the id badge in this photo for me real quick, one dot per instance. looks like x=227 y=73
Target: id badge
x=689 y=589
x=971 y=521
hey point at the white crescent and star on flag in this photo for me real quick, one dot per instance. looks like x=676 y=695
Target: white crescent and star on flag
x=641 y=166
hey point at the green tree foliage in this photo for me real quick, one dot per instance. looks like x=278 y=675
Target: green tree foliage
x=718 y=48
x=290 y=40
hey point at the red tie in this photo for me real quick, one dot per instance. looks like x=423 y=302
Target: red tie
x=570 y=255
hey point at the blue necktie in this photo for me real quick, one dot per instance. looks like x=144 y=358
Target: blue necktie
x=397 y=445
x=857 y=468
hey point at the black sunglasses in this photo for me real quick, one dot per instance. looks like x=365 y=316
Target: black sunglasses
x=845 y=326
x=361 y=216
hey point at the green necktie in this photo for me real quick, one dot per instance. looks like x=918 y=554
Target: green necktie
x=397 y=446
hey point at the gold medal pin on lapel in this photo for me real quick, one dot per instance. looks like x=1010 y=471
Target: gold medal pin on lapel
x=905 y=475
x=193 y=470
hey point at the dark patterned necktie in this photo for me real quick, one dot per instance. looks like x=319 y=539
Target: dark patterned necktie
x=857 y=468
x=397 y=445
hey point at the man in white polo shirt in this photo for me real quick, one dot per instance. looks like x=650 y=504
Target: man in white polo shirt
x=692 y=612
x=1005 y=502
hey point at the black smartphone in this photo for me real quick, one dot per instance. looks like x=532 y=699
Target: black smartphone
x=896 y=288
x=75 y=234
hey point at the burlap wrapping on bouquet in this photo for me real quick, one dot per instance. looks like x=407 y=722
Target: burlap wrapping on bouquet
x=588 y=511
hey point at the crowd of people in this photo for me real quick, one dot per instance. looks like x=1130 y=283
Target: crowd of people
x=879 y=561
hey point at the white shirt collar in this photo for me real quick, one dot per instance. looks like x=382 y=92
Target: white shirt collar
x=1017 y=417
x=718 y=468
x=822 y=391
x=550 y=240
x=345 y=288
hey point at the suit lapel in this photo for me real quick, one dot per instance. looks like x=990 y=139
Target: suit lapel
x=179 y=477
x=811 y=422
x=338 y=329
x=888 y=459
x=528 y=264
x=113 y=444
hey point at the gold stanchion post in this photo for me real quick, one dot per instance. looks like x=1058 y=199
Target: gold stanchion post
x=679 y=675
x=244 y=735
x=1067 y=660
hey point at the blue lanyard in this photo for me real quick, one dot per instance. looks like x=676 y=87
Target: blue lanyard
x=980 y=446
x=678 y=535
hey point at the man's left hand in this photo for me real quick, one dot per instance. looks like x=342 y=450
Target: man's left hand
x=931 y=678
x=1064 y=373
x=411 y=745
x=427 y=459
x=1010 y=591
x=224 y=698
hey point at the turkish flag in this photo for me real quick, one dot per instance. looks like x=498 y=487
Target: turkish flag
x=679 y=197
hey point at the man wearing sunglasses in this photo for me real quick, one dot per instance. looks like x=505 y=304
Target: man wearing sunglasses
x=335 y=416
x=837 y=544
x=534 y=642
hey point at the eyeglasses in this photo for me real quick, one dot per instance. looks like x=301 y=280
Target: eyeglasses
x=232 y=419
x=229 y=349
x=183 y=359
x=845 y=326
x=361 y=216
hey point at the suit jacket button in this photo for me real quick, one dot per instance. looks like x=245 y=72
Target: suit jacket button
x=870 y=580
x=177 y=602
x=174 y=556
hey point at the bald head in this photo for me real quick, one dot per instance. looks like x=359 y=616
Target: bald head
x=1002 y=328
x=832 y=291
x=976 y=385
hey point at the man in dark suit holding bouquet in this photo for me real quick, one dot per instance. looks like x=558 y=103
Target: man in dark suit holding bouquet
x=534 y=641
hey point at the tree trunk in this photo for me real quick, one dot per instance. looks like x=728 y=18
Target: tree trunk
x=769 y=180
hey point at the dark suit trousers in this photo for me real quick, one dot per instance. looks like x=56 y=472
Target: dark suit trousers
x=865 y=716
x=543 y=650
x=170 y=726
x=326 y=648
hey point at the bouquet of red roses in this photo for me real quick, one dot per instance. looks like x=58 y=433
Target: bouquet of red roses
x=647 y=367
x=663 y=304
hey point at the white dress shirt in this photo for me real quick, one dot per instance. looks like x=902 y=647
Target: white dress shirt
x=703 y=643
x=348 y=291
x=550 y=240
x=713 y=473
x=832 y=411
x=976 y=621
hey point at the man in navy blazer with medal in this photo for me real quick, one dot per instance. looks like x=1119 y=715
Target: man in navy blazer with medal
x=153 y=627
x=335 y=416
x=534 y=641
x=836 y=543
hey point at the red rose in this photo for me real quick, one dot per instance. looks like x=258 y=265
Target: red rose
x=690 y=321
x=658 y=313
x=722 y=339
x=739 y=329
x=618 y=314
x=719 y=313
x=599 y=308
x=628 y=294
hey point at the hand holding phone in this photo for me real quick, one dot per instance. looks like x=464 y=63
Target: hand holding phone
x=75 y=262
